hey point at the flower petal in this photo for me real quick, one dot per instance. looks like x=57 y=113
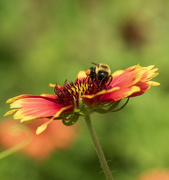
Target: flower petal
x=41 y=128
x=119 y=94
x=32 y=107
x=135 y=76
x=11 y=112
x=117 y=73
x=20 y=97
x=153 y=83
x=99 y=93
x=52 y=85
x=52 y=96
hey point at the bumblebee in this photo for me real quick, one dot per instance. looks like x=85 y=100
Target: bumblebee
x=100 y=72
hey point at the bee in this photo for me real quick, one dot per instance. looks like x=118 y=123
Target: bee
x=100 y=72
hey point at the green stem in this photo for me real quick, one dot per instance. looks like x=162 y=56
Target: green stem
x=98 y=149
x=19 y=146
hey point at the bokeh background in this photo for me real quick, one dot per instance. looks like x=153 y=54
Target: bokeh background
x=50 y=41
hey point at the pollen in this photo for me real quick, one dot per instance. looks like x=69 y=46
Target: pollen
x=70 y=92
x=88 y=72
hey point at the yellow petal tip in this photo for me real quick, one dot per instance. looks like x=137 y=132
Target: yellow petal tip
x=40 y=129
x=10 y=100
x=10 y=112
x=153 y=83
x=118 y=73
x=52 y=85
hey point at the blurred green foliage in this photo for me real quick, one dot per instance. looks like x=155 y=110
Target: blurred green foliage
x=50 y=41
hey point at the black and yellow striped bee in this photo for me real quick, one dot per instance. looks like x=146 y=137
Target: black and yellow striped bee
x=100 y=72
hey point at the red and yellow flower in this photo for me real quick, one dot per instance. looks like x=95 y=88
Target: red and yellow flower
x=82 y=97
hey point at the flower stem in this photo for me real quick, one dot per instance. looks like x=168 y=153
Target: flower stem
x=19 y=146
x=98 y=149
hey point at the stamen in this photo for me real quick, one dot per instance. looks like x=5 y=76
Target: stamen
x=70 y=91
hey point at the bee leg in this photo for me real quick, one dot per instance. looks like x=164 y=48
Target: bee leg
x=102 y=82
x=88 y=80
x=111 y=78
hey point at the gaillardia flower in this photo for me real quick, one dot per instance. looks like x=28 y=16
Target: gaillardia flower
x=84 y=96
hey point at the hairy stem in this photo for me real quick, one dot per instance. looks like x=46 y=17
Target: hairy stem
x=98 y=149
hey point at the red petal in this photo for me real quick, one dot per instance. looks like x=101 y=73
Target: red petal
x=31 y=106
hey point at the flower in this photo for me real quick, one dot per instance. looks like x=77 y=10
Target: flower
x=82 y=97
x=155 y=175
x=57 y=136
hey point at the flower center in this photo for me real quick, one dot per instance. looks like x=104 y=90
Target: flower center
x=70 y=92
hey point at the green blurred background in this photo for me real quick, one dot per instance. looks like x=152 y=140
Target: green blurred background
x=50 y=41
